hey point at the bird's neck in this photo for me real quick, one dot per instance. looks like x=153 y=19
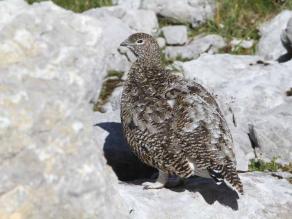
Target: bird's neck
x=148 y=71
x=151 y=60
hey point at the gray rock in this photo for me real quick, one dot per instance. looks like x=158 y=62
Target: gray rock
x=138 y=20
x=194 y=12
x=118 y=23
x=246 y=44
x=256 y=95
x=115 y=31
x=175 y=35
x=270 y=46
x=51 y=160
x=142 y=21
x=265 y=197
x=202 y=44
x=161 y=42
x=135 y=4
x=286 y=36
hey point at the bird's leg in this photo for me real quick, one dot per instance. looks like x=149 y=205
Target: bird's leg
x=160 y=182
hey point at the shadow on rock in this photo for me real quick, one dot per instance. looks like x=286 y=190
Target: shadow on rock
x=211 y=192
x=119 y=156
x=285 y=58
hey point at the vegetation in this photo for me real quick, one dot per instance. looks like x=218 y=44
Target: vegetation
x=272 y=166
x=168 y=61
x=112 y=80
x=260 y=165
x=78 y=5
x=238 y=19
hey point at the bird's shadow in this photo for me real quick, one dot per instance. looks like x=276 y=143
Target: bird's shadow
x=210 y=191
x=119 y=156
x=285 y=58
x=130 y=169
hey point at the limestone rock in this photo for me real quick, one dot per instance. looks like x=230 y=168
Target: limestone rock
x=194 y=12
x=118 y=23
x=114 y=31
x=139 y=20
x=161 y=42
x=202 y=44
x=135 y=4
x=51 y=66
x=246 y=44
x=286 y=36
x=175 y=35
x=265 y=197
x=270 y=46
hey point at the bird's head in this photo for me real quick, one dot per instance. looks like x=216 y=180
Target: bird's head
x=143 y=45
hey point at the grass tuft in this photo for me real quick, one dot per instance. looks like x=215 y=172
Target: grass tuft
x=260 y=165
x=78 y=5
x=241 y=19
x=272 y=166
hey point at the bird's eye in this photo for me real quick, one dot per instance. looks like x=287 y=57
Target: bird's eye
x=140 y=41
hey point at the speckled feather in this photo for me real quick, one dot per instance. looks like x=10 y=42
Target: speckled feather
x=173 y=124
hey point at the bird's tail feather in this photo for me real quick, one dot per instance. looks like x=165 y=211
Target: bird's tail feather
x=228 y=173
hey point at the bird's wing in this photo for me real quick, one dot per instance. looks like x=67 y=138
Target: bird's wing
x=199 y=123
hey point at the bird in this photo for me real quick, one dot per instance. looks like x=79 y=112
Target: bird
x=173 y=124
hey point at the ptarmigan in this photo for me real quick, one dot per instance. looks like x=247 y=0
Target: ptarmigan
x=173 y=124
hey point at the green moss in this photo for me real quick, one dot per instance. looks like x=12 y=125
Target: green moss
x=78 y=5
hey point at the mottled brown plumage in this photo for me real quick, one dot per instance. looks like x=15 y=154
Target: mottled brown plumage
x=173 y=124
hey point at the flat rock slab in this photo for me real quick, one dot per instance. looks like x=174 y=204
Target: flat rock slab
x=265 y=197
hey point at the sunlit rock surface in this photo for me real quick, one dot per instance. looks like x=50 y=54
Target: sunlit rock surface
x=52 y=165
x=270 y=46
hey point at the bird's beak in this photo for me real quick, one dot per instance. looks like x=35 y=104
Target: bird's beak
x=125 y=43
